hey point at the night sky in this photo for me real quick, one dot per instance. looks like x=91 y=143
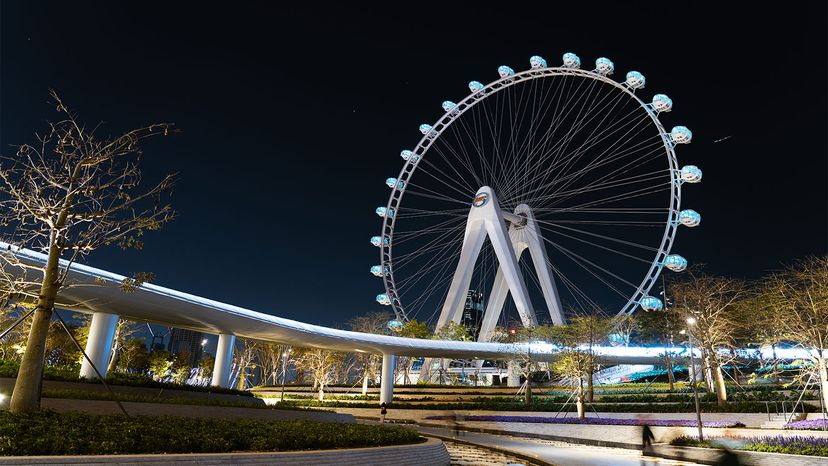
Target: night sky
x=292 y=119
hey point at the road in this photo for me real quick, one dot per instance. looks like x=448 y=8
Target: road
x=557 y=453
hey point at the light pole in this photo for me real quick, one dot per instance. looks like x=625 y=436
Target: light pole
x=690 y=322
x=284 y=369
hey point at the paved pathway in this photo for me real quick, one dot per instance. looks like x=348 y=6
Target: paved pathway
x=558 y=453
x=471 y=455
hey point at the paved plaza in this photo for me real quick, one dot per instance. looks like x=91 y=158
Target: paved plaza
x=549 y=452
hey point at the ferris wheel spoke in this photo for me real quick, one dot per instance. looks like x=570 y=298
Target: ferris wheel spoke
x=559 y=119
x=610 y=184
x=546 y=189
x=598 y=235
x=466 y=160
x=562 y=171
x=434 y=195
x=580 y=262
x=574 y=290
x=616 y=156
x=587 y=261
x=436 y=147
x=599 y=246
x=603 y=159
x=563 y=142
x=445 y=178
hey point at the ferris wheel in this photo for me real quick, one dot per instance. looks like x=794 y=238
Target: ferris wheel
x=549 y=191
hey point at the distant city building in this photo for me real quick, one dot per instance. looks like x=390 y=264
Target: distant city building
x=473 y=313
x=186 y=341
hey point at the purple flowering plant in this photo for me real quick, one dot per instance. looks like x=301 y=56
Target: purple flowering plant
x=595 y=420
x=808 y=424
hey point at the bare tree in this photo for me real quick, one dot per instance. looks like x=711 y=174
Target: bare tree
x=797 y=301
x=123 y=330
x=321 y=365
x=376 y=323
x=245 y=359
x=661 y=328
x=712 y=302
x=625 y=326
x=67 y=195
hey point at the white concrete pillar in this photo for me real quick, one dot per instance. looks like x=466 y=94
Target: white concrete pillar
x=99 y=344
x=512 y=374
x=387 y=382
x=224 y=359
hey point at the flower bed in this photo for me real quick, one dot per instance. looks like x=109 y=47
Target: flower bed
x=811 y=446
x=594 y=420
x=51 y=433
x=808 y=424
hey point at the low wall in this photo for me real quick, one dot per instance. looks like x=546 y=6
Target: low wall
x=748 y=419
x=197 y=411
x=746 y=458
x=430 y=453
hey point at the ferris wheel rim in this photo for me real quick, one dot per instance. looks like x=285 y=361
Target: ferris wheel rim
x=470 y=101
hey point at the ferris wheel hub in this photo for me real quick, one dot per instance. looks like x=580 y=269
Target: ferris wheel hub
x=484 y=195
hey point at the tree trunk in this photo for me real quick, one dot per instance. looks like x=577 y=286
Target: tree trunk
x=365 y=383
x=528 y=391
x=708 y=375
x=823 y=377
x=321 y=391
x=669 y=370
x=116 y=350
x=775 y=364
x=590 y=382
x=579 y=400
x=716 y=369
x=26 y=394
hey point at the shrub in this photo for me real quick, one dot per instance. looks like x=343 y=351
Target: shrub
x=50 y=433
x=596 y=421
x=811 y=446
x=70 y=373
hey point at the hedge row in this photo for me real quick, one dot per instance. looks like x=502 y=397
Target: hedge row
x=50 y=433
x=70 y=373
x=811 y=446
x=75 y=394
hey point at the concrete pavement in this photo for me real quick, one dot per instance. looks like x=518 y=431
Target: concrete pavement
x=553 y=453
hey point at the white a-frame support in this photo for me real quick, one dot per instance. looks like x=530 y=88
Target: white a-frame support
x=523 y=236
x=485 y=217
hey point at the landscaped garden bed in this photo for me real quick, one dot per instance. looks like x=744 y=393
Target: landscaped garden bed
x=78 y=394
x=51 y=433
x=594 y=420
x=808 y=424
x=70 y=373
x=811 y=446
x=517 y=405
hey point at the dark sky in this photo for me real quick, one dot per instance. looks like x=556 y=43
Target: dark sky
x=292 y=119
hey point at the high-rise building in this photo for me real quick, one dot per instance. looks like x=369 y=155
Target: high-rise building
x=186 y=341
x=473 y=313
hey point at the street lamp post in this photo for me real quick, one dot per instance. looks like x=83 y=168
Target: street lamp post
x=284 y=370
x=690 y=322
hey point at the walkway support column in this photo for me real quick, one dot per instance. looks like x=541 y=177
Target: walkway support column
x=512 y=374
x=224 y=358
x=387 y=382
x=99 y=344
